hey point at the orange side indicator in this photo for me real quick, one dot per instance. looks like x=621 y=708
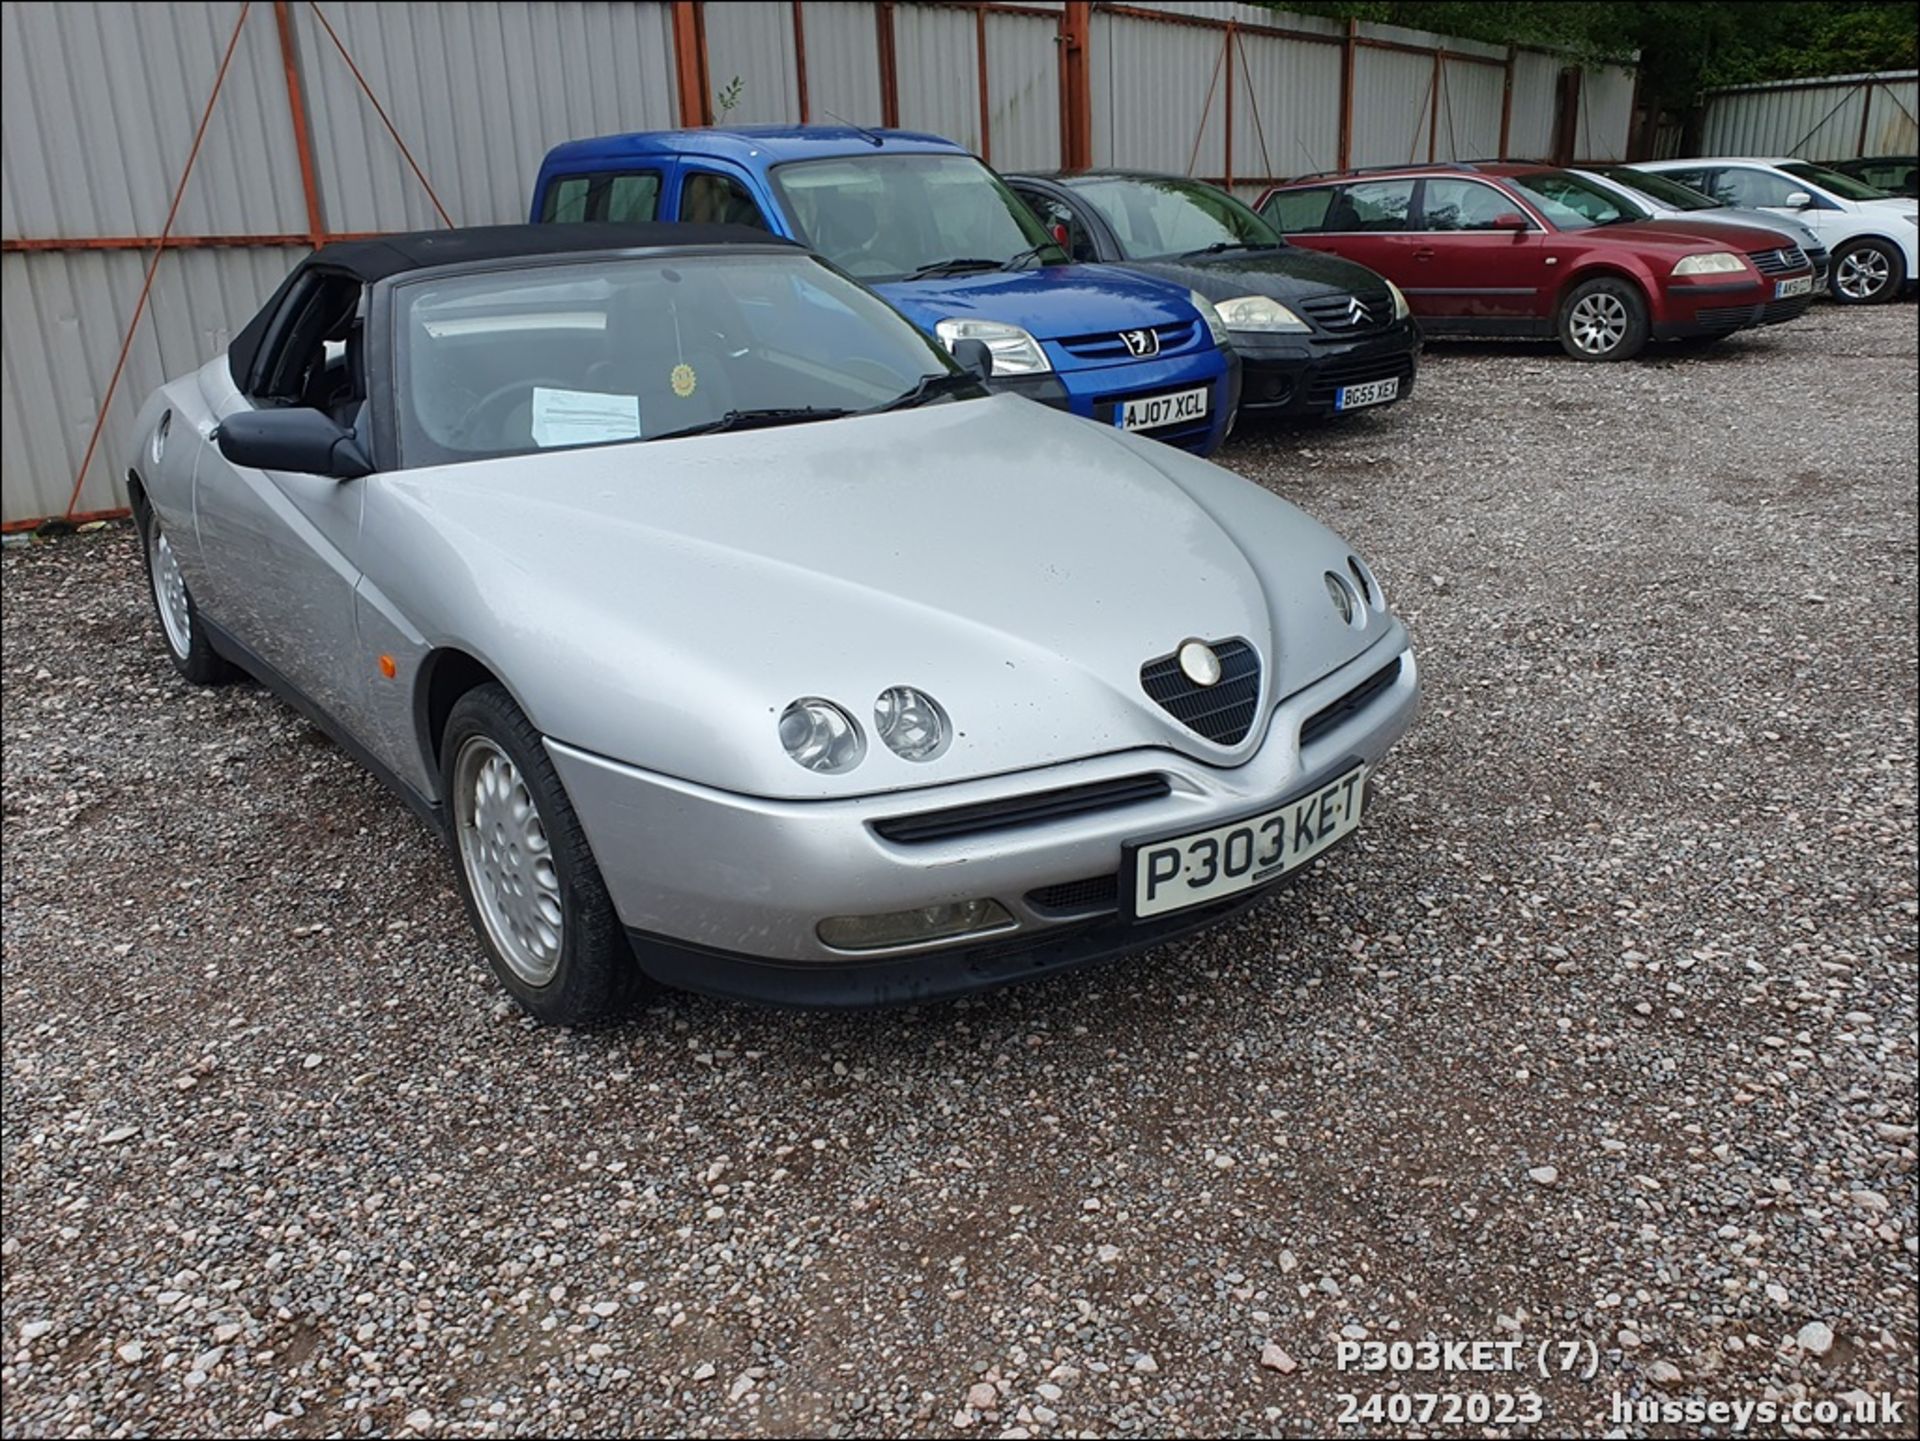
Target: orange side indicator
x=387 y=667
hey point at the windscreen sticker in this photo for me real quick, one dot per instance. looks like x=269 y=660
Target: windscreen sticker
x=583 y=417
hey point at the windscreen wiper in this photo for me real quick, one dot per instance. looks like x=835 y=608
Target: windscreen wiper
x=1220 y=245
x=1032 y=252
x=954 y=266
x=943 y=382
x=759 y=419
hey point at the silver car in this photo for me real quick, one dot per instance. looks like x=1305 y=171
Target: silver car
x=1667 y=199
x=737 y=638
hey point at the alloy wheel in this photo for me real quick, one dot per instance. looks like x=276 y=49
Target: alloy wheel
x=169 y=591
x=1598 y=322
x=508 y=860
x=1862 y=274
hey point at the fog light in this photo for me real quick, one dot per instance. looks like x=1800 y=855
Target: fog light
x=900 y=928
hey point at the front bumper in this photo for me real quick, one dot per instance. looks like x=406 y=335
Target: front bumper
x=723 y=892
x=1097 y=391
x=1300 y=375
x=1718 y=307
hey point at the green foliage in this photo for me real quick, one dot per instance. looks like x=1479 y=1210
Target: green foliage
x=1684 y=45
x=727 y=97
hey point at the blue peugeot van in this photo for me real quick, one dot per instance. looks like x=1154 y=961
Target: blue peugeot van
x=927 y=225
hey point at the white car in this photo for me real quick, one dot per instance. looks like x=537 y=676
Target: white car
x=1874 y=237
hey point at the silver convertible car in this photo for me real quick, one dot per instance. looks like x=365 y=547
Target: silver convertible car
x=738 y=638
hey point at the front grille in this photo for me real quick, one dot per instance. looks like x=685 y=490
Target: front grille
x=1026 y=810
x=1733 y=317
x=1350 y=704
x=1328 y=380
x=1222 y=712
x=1107 y=345
x=1096 y=893
x=1782 y=261
x=1334 y=313
x=1776 y=311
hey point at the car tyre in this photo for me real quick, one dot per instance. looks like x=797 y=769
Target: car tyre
x=1867 y=272
x=1604 y=319
x=526 y=872
x=185 y=637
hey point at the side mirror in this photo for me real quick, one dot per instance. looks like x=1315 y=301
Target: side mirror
x=974 y=357
x=299 y=439
x=1799 y=200
x=1511 y=220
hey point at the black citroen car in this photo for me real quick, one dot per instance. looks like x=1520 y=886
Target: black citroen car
x=1316 y=334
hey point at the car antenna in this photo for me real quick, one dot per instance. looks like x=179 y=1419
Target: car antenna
x=878 y=141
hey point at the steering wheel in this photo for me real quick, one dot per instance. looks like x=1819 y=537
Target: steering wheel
x=515 y=390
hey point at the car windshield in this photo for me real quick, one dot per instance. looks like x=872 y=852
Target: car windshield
x=566 y=352
x=1670 y=193
x=1845 y=186
x=1157 y=216
x=899 y=217
x=1573 y=202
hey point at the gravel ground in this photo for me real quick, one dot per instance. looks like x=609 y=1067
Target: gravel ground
x=1604 y=1033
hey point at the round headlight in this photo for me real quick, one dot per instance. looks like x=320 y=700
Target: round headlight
x=911 y=723
x=821 y=736
x=1343 y=597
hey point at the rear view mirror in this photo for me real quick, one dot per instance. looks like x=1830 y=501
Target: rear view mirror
x=1799 y=200
x=974 y=357
x=299 y=439
x=1510 y=220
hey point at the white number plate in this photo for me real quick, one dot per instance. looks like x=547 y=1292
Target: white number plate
x=1374 y=392
x=1158 y=410
x=1799 y=285
x=1184 y=871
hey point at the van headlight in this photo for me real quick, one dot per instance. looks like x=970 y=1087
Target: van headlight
x=1714 y=262
x=1014 y=351
x=1216 y=327
x=1260 y=313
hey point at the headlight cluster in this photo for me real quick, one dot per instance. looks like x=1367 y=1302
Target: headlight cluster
x=1260 y=313
x=1714 y=262
x=1015 y=352
x=1401 y=310
x=1216 y=326
x=824 y=737
x=1355 y=593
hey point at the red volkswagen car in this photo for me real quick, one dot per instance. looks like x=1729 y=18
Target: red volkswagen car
x=1529 y=250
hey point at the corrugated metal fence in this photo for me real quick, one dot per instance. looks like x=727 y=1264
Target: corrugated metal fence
x=1835 y=117
x=327 y=110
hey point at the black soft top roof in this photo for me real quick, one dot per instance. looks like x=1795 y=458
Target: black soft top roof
x=371 y=260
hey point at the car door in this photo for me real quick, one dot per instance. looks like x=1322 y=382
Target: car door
x=1467 y=270
x=279 y=549
x=1369 y=221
